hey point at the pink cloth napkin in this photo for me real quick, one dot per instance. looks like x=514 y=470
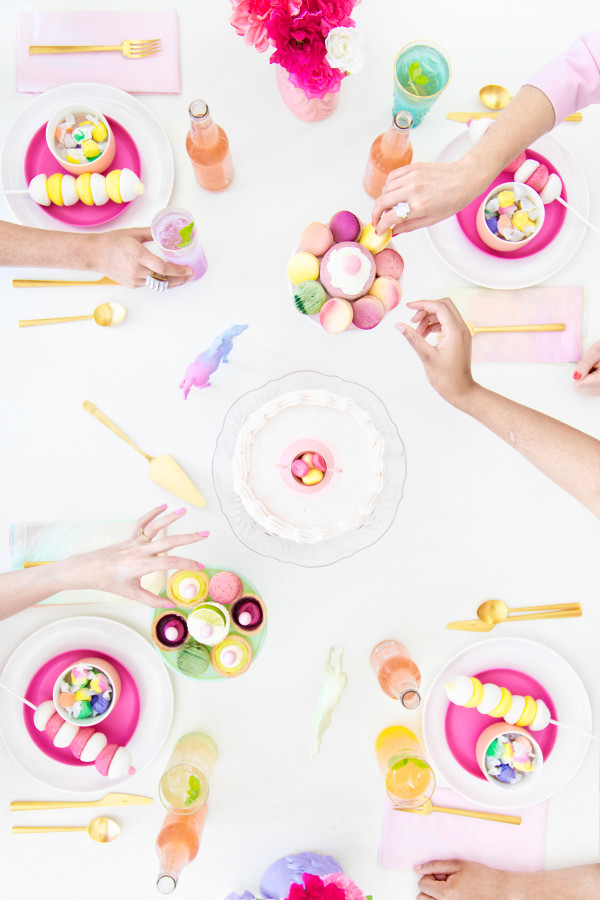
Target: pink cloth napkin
x=525 y=307
x=158 y=73
x=409 y=839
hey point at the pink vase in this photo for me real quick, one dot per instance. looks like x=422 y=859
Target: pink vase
x=309 y=109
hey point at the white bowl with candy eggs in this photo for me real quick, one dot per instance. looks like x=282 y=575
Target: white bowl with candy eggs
x=344 y=275
x=86 y=692
x=510 y=216
x=509 y=756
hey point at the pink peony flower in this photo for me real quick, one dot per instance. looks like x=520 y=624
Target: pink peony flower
x=300 y=48
x=249 y=19
x=350 y=890
x=315 y=889
x=333 y=12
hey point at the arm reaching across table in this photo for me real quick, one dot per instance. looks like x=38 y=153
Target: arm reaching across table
x=567 y=456
x=116 y=569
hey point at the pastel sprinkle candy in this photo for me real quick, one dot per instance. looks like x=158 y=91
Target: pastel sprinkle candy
x=82 y=695
x=66 y=699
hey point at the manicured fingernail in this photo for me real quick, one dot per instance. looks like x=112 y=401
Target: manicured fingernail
x=203 y=534
x=576 y=376
x=400 y=327
x=163 y=506
x=179 y=512
x=200 y=566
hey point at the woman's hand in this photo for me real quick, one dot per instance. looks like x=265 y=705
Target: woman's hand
x=448 y=363
x=121 y=255
x=119 y=567
x=433 y=191
x=587 y=372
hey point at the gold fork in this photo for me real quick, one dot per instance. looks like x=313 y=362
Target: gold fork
x=131 y=49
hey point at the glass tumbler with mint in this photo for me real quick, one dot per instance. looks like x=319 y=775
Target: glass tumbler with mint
x=183 y=787
x=421 y=73
x=174 y=232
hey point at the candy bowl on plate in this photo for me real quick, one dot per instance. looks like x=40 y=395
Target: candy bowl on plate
x=510 y=216
x=80 y=139
x=86 y=692
x=509 y=756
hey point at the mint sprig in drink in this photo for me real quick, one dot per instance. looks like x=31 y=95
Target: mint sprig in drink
x=174 y=231
x=421 y=73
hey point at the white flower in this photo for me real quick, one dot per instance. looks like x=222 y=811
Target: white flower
x=344 y=50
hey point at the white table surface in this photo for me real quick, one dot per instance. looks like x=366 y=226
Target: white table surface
x=476 y=521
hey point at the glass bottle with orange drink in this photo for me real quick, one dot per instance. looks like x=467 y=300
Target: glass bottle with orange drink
x=409 y=779
x=389 y=151
x=208 y=148
x=397 y=674
x=177 y=845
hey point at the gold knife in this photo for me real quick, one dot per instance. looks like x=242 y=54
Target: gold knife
x=29 y=282
x=108 y=800
x=465 y=116
x=470 y=625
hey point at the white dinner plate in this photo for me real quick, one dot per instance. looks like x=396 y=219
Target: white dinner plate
x=570 y=698
x=105 y=636
x=156 y=156
x=454 y=247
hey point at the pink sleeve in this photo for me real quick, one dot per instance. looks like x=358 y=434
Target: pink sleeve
x=572 y=80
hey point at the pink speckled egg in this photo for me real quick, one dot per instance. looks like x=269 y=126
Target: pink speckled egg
x=345 y=226
x=368 y=312
x=316 y=239
x=388 y=291
x=225 y=587
x=336 y=315
x=388 y=262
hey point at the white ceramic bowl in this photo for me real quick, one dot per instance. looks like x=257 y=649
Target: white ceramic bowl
x=498 y=243
x=495 y=731
x=113 y=678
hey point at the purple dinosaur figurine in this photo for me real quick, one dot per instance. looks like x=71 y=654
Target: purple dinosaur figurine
x=198 y=373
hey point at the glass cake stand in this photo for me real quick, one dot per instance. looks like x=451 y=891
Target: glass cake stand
x=330 y=550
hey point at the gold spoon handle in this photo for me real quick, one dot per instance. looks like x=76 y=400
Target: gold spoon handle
x=24 y=322
x=564 y=614
x=551 y=606
x=98 y=414
x=35 y=829
x=494 y=817
x=556 y=327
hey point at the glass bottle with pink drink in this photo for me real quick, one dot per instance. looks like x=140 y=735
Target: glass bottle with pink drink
x=174 y=232
x=397 y=674
x=176 y=846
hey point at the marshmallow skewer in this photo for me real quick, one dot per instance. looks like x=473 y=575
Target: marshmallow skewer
x=85 y=744
x=120 y=186
x=578 y=214
x=498 y=702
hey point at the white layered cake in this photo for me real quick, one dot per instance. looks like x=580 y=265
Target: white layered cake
x=277 y=433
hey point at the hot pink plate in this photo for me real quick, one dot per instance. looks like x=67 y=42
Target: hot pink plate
x=554 y=217
x=463 y=726
x=118 y=727
x=38 y=159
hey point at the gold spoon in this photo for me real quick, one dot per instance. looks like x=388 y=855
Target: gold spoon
x=496 y=611
x=494 y=96
x=428 y=808
x=105 y=314
x=486 y=328
x=162 y=469
x=101 y=829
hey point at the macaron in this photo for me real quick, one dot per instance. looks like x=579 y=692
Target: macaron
x=316 y=239
x=388 y=262
x=373 y=241
x=193 y=659
x=367 y=312
x=336 y=315
x=225 y=587
x=387 y=290
x=303 y=267
x=309 y=297
x=344 y=226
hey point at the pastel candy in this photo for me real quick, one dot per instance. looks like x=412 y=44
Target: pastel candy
x=526 y=170
x=313 y=476
x=300 y=468
x=66 y=699
x=477 y=695
x=367 y=312
x=552 y=189
x=529 y=712
x=43 y=714
x=336 y=315
x=538 y=179
x=500 y=711
x=515 y=711
x=318 y=462
x=542 y=717
x=100 y=704
x=82 y=709
x=506 y=198
x=492 y=224
x=94 y=747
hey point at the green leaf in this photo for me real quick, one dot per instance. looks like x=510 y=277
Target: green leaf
x=186 y=237
x=194 y=788
x=421 y=79
x=413 y=70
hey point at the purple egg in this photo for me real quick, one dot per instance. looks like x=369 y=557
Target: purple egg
x=345 y=226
